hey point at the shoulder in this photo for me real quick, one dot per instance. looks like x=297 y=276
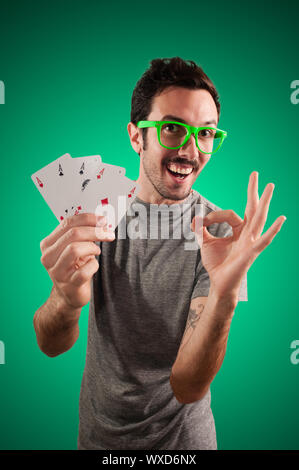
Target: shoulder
x=208 y=205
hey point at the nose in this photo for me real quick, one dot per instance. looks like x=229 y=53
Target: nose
x=189 y=148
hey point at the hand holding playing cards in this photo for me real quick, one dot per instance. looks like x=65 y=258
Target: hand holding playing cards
x=228 y=259
x=69 y=256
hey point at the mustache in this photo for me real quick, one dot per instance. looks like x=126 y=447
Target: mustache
x=183 y=161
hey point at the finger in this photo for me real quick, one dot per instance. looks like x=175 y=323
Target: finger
x=201 y=231
x=252 y=196
x=84 y=274
x=81 y=261
x=86 y=219
x=268 y=236
x=74 y=234
x=75 y=254
x=258 y=221
x=229 y=216
x=85 y=259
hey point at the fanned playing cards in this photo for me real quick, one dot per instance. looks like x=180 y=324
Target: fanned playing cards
x=86 y=184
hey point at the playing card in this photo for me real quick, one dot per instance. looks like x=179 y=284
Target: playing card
x=83 y=170
x=83 y=184
x=87 y=168
x=62 y=181
x=120 y=200
x=54 y=183
x=113 y=169
x=110 y=197
x=71 y=208
x=104 y=181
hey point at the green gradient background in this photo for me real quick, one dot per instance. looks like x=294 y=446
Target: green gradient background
x=69 y=69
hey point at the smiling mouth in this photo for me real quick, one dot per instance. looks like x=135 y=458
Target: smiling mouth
x=179 y=171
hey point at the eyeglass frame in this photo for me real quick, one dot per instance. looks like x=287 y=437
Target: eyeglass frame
x=191 y=130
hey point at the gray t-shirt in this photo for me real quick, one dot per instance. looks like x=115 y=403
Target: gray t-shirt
x=137 y=316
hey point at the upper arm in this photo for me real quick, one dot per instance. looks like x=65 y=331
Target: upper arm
x=197 y=306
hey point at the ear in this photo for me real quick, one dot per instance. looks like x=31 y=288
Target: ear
x=135 y=137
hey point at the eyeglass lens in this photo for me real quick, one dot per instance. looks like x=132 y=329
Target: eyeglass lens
x=173 y=135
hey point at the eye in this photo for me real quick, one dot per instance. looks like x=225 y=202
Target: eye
x=171 y=128
x=207 y=133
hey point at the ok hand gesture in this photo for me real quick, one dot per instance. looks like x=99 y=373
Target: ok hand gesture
x=228 y=259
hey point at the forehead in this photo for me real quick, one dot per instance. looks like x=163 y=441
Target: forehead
x=194 y=106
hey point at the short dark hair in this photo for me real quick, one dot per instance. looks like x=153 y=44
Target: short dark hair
x=164 y=73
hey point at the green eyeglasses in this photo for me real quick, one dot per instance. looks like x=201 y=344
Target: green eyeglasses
x=173 y=135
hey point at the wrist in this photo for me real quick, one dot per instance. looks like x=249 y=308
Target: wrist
x=67 y=314
x=228 y=298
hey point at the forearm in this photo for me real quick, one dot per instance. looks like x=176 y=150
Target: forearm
x=56 y=326
x=199 y=360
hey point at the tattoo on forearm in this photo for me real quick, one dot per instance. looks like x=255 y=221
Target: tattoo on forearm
x=193 y=317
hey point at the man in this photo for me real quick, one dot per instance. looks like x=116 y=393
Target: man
x=160 y=312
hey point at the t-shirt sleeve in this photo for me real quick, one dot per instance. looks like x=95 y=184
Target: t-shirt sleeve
x=202 y=281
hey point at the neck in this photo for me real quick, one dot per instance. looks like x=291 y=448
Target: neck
x=151 y=196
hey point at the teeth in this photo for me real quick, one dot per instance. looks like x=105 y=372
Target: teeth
x=178 y=169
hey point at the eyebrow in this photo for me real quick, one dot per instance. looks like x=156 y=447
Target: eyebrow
x=177 y=118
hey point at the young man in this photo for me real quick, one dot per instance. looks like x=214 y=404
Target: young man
x=160 y=311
